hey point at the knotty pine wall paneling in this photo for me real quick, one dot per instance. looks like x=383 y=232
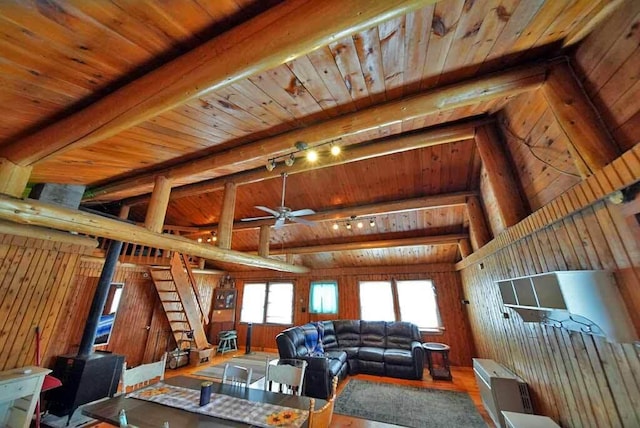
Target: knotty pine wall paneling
x=36 y=284
x=448 y=284
x=577 y=379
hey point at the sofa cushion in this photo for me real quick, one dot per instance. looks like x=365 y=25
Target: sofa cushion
x=372 y=333
x=369 y=353
x=336 y=355
x=401 y=334
x=400 y=357
x=347 y=333
x=352 y=352
x=329 y=340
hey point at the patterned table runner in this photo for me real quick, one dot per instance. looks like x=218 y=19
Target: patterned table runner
x=223 y=406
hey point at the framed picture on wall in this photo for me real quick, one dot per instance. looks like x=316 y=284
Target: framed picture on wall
x=225 y=298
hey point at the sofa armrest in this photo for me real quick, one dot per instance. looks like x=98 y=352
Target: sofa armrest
x=316 y=363
x=417 y=351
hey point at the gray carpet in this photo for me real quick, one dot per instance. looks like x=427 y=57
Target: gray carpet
x=256 y=361
x=407 y=406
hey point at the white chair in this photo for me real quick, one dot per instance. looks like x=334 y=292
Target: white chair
x=236 y=375
x=141 y=376
x=287 y=373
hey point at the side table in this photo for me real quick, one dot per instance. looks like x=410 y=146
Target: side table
x=438 y=360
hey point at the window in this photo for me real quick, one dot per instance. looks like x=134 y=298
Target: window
x=376 y=301
x=270 y=302
x=323 y=297
x=413 y=301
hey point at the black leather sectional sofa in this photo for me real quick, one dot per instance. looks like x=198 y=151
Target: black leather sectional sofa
x=338 y=348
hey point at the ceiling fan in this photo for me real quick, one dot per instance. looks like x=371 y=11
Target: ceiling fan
x=283 y=213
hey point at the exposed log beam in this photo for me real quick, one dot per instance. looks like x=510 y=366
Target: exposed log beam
x=57 y=217
x=591 y=146
x=260 y=44
x=477 y=223
x=225 y=227
x=598 y=14
x=13 y=178
x=11 y=228
x=468 y=92
x=465 y=248
x=396 y=144
x=422 y=203
x=501 y=176
x=367 y=245
x=157 y=209
x=263 y=243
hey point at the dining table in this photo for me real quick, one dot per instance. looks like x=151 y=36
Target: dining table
x=148 y=414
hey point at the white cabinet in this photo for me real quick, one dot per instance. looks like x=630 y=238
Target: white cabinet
x=19 y=392
x=586 y=301
x=521 y=420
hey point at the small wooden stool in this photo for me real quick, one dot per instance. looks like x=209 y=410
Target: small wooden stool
x=438 y=370
x=200 y=356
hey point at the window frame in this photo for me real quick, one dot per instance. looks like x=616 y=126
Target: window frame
x=324 y=281
x=396 y=302
x=267 y=285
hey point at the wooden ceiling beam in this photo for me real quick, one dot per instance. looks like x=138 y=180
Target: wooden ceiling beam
x=396 y=144
x=465 y=93
x=36 y=213
x=281 y=34
x=11 y=228
x=404 y=205
x=369 y=245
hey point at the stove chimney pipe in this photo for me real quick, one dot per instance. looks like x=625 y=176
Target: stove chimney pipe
x=100 y=298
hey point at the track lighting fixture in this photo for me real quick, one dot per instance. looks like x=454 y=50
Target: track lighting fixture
x=290 y=160
x=372 y=223
x=348 y=225
x=335 y=226
x=200 y=240
x=271 y=164
x=354 y=221
x=335 y=150
x=312 y=155
x=360 y=225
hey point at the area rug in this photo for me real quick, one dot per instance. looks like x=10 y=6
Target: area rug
x=255 y=361
x=408 y=406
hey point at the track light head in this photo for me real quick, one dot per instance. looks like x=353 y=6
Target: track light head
x=348 y=225
x=335 y=226
x=199 y=240
x=271 y=164
x=312 y=155
x=360 y=225
x=290 y=160
x=335 y=150
x=372 y=223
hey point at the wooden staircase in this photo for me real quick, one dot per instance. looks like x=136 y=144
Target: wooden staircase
x=176 y=287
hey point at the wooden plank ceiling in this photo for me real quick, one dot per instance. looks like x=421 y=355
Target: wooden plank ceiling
x=59 y=56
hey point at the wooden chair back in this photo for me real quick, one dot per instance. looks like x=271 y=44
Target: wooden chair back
x=287 y=373
x=143 y=375
x=321 y=418
x=236 y=375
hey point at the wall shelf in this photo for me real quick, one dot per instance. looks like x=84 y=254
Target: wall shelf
x=586 y=301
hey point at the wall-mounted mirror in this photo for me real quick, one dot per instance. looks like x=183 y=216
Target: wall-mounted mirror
x=108 y=317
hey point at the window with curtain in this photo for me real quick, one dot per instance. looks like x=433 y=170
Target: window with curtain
x=267 y=303
x=413 y=301
x=323 y=297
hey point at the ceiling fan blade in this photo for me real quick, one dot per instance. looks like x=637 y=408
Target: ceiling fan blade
x=279 y=223
x=305 y=211
x=268 y=210
x=301 y=221
x=256 y=218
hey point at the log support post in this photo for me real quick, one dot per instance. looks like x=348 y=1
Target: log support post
x=124 y=212
x=500 y=172
x=477 y=224
x=464 y=245
x=225 y=224
x=590 y=144
x=157 y=209
x=13 y=178
x=263 y=244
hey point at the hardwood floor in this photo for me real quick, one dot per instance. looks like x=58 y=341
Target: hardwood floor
x=463 y=381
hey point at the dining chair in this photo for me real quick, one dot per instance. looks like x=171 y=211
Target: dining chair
x=287 y=373
x=321 y=418
x=236 y=375
x=142 y=375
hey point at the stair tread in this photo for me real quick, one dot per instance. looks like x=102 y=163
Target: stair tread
x=170 y=301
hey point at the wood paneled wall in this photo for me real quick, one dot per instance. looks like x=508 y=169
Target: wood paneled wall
x=36 y=283
x=447 y=282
